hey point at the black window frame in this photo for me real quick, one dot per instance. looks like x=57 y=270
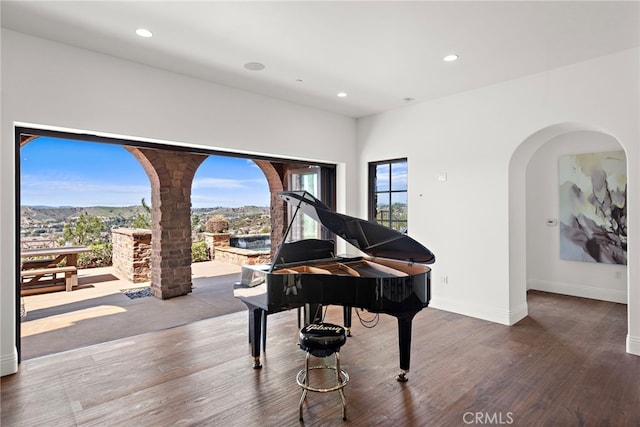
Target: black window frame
x=327 y=182
x=398 y=224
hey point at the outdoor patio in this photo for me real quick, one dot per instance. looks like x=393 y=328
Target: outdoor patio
x=99 y=310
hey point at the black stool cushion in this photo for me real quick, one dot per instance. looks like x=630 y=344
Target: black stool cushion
x=322 y=339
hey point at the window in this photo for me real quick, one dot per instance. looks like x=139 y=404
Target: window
x=388 y=193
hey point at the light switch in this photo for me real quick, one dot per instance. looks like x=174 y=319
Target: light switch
x=442 y=177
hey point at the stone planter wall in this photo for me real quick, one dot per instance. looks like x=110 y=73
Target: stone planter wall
x=132 y=253
x=239 y=256
x=214 y=240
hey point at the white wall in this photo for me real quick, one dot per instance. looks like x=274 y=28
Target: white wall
x=545 y=270
x=50 y=85
x=483 y=140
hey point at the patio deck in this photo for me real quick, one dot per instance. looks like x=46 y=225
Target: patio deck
x=98 y=310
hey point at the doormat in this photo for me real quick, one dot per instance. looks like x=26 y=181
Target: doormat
x=136 y=293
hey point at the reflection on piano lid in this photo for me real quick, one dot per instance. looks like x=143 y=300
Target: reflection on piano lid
x=371 y=238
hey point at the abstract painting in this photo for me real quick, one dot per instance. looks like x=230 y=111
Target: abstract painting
x=593 y=207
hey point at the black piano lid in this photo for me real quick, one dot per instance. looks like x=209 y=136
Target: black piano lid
x=371 y=238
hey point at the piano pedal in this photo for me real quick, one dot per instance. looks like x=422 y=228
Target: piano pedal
x=256 y=363
x=402 y=376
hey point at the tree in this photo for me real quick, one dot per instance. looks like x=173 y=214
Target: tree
x=143 y=219
x=197 y=226
x=87 y=229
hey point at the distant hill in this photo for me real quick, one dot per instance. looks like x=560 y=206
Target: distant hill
x=48 y=214
x=242 y=220
x=64 y=213
x=231 y=212
x=48 y=221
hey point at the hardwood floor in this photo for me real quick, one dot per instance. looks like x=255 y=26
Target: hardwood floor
x=564 y=365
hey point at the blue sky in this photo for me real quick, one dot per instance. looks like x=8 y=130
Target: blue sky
x=59 y=172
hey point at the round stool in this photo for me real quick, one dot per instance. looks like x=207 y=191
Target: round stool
x=322 y=340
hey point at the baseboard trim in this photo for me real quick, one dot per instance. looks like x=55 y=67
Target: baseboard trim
x=577 y=290
x=633 y=345
x=518 y=313
x=491 y=314
x=9 y=363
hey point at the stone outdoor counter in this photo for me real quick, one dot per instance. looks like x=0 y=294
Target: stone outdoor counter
x=132 y=253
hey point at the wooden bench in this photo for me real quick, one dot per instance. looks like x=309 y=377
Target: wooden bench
x=31 y=264
x=33 y=283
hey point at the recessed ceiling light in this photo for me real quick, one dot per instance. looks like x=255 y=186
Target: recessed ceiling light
x=254 y=66
x=342 y=94
x=450 y=58
x=143 y=32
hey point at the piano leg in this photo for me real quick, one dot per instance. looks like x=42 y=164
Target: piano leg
x=405 y=321
x=264 y=330
x=346 y=312
x=312 y=313
x=255 y=327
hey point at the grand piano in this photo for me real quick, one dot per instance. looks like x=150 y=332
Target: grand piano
x=391 y=276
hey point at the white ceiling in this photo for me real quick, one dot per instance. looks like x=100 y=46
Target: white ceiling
x=379 y=53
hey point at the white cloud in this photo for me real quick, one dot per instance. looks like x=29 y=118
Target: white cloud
x=29 y=183
x=38 y=191
x=224 y=183
x=73 y=191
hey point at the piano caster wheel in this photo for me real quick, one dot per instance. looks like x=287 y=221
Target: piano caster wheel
x=402 y=377
x=348 y=331
x=256 y=363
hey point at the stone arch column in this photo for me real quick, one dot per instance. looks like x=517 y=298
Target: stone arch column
x=274 y=173
x=171 y=175
x=25 y=139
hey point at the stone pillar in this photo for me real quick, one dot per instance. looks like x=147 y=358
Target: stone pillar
x=274 y=173
x=213 y=240
x=132 y=253
x=171 y=175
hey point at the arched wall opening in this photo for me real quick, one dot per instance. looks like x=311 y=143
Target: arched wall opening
x=168 y=159
x=536 y=152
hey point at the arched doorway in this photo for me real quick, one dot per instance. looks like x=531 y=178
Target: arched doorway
x=165 y=166
x=549 y=141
